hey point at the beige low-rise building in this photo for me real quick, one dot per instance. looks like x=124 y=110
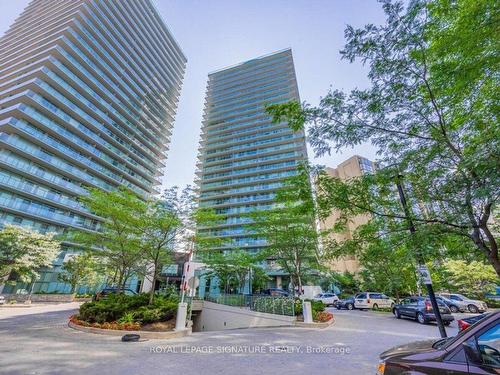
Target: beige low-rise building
x=353 y=167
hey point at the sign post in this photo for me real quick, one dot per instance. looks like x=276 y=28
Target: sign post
x=423 y=271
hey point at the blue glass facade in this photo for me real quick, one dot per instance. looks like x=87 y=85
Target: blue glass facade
x=88 y=94
x=244 y=157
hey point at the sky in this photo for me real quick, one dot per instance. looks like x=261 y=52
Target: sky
x=214 y=34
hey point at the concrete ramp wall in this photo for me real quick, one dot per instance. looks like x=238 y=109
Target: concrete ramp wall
x=217 y=317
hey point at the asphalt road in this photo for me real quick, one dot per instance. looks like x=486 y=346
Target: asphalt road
x=37 y=340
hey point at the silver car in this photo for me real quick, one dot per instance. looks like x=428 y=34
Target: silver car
x=474 y=306
x=454 y=306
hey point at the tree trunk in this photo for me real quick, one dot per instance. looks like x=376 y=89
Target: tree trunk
x=495 y=262
x=299 y=282
x=152 y=291
x=120 y=277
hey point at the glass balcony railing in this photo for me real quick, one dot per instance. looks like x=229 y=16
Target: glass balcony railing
x=75 y=107
x=37 y=190
x=251 y=152
x=33 y=113
x=139 y=147
x=28 y=167
x=243 y=180
x=248 y=137
x=260 y=160
x=46 y=212
x=74 y=154
x=250 y=170
x=18 y=143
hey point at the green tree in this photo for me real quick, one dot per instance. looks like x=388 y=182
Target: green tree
x=117 y=242
x=470 y=278
x=346 y=281
x=289 y=228
x=78 y=270
x=163 y=226
x=259 y=279
x=24 y=251
x=233 y=268
x=430 y=112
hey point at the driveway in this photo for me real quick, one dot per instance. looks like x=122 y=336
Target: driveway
x=37 y=340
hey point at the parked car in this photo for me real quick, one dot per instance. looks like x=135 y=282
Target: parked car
x=275 y=292
x=347 y=303
x=372 y=300
x=474 y=306
x=112 y=290
x=2 y=300
x=467 y=322
x=420 y=309
x=327 y=298
x=472 y=351
x=454 y=306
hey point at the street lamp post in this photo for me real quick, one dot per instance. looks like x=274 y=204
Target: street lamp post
x=424 y=273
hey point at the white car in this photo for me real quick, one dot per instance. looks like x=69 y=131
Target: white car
x=474 y=306
x=326 y=298
x=372 y=300
x=2 y=300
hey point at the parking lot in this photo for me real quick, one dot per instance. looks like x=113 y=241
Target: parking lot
x=37 y=341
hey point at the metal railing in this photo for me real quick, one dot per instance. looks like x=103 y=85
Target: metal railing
x=256 y=302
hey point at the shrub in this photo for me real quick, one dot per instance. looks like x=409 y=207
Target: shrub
x=492 y=303
x=120 y=307
x=273 y=305
x=316 y=306
x=127 y=318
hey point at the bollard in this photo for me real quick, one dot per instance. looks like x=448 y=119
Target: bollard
x=180 y=321
x=307 y=312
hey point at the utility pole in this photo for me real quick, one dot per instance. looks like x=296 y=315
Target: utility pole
x=423 y=272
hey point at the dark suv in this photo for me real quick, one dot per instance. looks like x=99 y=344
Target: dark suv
x=475 y=350
x=420 y=309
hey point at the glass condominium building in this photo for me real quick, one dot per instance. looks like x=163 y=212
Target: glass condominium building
x=244 y=157
x=88 y=94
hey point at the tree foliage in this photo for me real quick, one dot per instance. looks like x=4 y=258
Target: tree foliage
x=289 y=228
x=117 y=242
x=81 y=269
x=472 y=279
x=24 y=251
x=431 y=112
x=233 y=268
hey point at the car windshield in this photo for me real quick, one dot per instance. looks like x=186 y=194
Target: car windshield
x=318 y=296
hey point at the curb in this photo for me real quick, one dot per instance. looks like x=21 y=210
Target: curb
x=143 y=334
x=315 y=325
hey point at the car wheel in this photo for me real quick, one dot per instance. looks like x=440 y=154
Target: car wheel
x=453 y=309
x=375 y=306
x=446 y=323
x=421 y=318
x=350 y=306
x=338 y=307
x=473 y=309
x=397 y=313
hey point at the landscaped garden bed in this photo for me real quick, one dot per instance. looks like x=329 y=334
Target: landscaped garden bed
x=120 y=312
x=321 y=318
